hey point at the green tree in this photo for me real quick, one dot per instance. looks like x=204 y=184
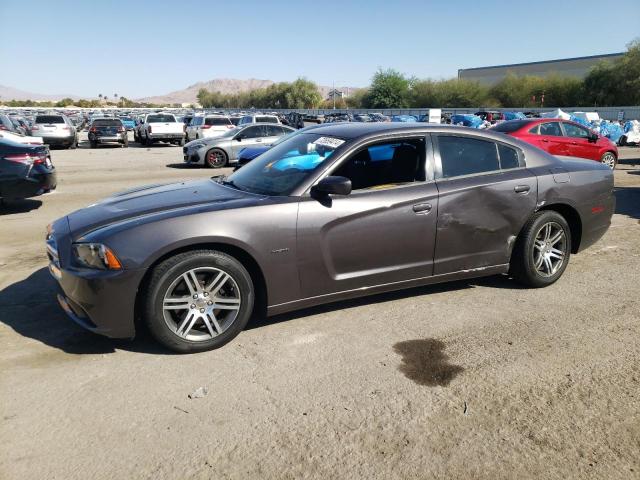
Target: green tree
x=616 y=83
x=389 y=89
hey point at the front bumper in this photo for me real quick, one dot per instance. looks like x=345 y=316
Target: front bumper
x=102 y=301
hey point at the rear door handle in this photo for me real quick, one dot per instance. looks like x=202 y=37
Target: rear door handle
x=544 y=140
x=522 y=188
x=422 y=208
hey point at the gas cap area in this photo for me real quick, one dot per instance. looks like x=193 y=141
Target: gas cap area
x=560 y=175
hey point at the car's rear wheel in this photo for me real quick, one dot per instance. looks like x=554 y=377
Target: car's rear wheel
x=622 y=141
x=542 y=251
x=216 y=158
x=198 y=300
x=609 y=159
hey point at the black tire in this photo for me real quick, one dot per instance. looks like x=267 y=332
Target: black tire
x=622 y=141
x=162 y=280
x=181 y=142
x=125 y=144
x=525 y=252
x=216 y=158
x=148 y=141
x=74 y=144
x=609 y=159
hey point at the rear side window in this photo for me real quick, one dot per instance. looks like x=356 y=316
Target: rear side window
x=196 y=121
x=467 y=156
x=509 y=157
x=217 y=121
x=550 y=129
x=107 y=123
x=160 y=118
x=49 y=119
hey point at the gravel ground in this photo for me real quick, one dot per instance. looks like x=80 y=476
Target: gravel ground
x=474 y=379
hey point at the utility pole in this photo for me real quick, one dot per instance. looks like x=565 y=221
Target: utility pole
x=334 y=94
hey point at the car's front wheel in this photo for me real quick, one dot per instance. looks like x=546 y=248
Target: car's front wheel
x=216 y=158
x=542 y=250
x=198 y=300
x=609 y=159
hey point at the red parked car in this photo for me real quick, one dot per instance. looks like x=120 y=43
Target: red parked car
x=562 y=137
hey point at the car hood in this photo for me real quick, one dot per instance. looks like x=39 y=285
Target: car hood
x=153 y=199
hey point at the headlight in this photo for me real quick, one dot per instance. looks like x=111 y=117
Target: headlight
x=96 y=255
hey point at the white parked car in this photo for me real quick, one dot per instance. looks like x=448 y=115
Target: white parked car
x=208 y=126
x=16 y=137
x=258 y=118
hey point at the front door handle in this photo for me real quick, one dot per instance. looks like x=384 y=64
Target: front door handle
x=422 y=208
x=522 y=188
x=544 y=140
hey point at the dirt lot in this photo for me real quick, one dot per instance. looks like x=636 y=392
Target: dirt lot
x=476 y=379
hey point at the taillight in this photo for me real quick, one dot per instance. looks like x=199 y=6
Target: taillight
x=27 y=159
x=229 y=126
x=35 y=127
x=66 y=128
x=204 y=127
x=2 y=127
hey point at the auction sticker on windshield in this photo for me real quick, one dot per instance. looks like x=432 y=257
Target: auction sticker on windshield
x=329 y=142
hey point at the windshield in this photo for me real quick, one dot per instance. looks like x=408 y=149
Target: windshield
x=281 y=169
x=510 y=126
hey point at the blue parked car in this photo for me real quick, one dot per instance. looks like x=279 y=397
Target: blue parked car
x=128 y=122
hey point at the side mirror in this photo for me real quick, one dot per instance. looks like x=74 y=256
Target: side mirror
x=238 y=138
x=333 y=185
x=593 y=137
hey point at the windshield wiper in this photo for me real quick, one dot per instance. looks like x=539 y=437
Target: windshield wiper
x=222 y=180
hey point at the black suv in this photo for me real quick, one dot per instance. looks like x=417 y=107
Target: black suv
x=108 y=130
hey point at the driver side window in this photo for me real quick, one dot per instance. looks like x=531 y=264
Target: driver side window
x=575 y=131
x=385 y=164
x=251 y=132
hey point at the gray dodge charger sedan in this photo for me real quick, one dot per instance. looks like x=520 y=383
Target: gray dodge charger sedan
x=341 y=211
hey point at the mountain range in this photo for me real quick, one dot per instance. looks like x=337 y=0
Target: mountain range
x=186 y=95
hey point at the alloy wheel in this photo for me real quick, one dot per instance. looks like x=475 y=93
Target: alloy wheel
x=216 y=158
x=201 y=304
x=549 y=249
x=609 y=159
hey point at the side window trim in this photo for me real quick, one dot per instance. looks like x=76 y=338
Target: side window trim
x=438 y=159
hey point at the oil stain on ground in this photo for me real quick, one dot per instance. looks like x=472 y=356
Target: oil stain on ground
x=424 y=362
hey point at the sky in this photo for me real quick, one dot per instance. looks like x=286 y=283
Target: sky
x=142 y=47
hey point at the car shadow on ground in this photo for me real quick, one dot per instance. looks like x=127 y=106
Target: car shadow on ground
x=30 y=308
x=182 y=166
x=495 y=281
x=628 y=201
x=8 y=207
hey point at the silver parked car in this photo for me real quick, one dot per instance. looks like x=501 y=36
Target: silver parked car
x=258 y=118
x=55 y=130
x=221 y=151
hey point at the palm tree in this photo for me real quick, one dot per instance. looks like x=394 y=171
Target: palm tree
x=100 y=96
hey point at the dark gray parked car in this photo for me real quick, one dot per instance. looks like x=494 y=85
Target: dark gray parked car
x=341 y=211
